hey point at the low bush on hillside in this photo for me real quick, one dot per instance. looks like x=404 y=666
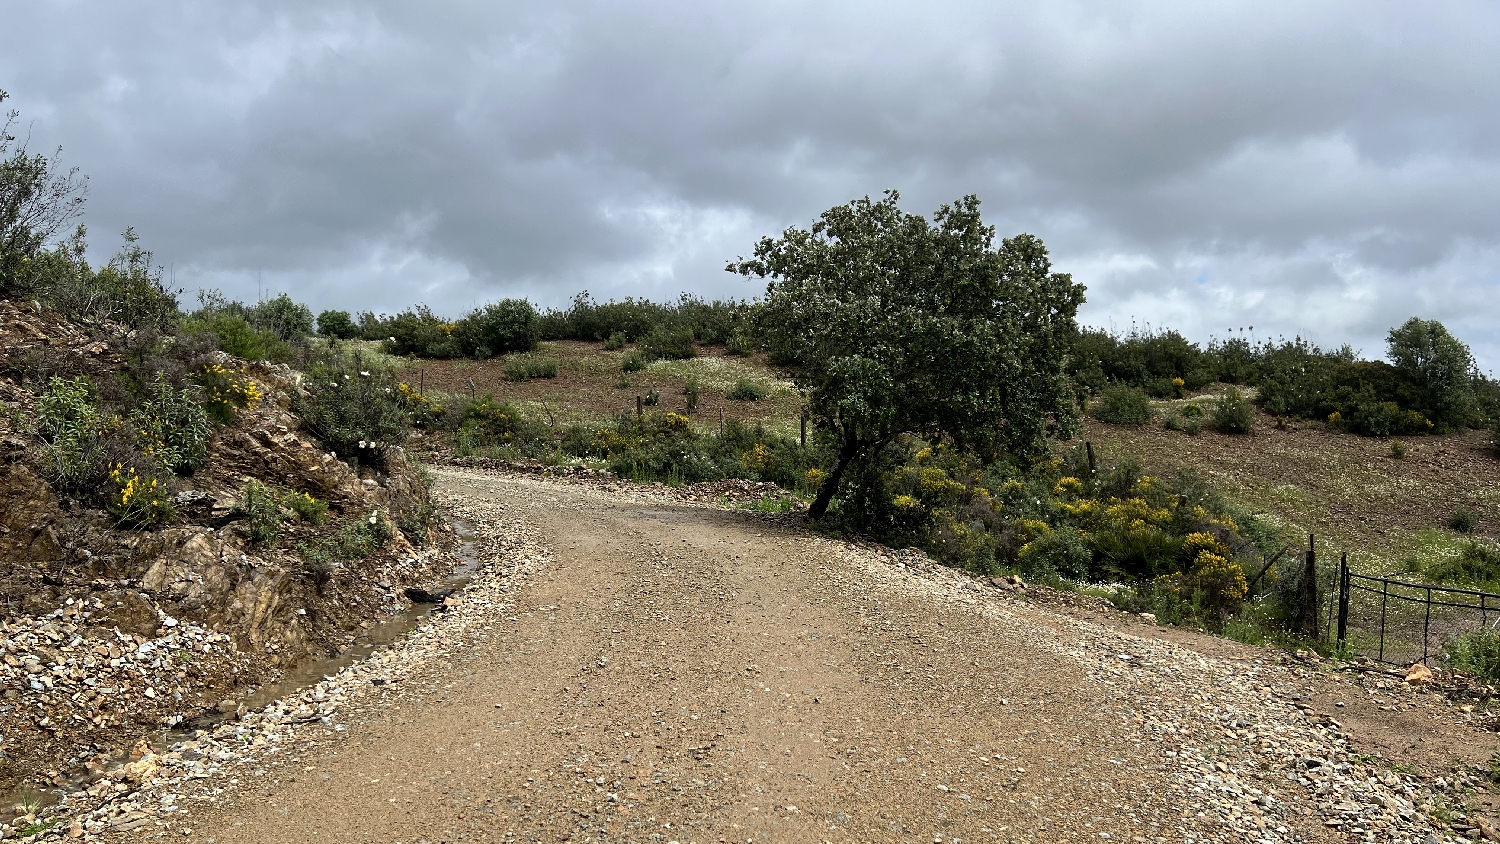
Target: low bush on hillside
x=1055 y=521
x=1474 y=564
x=746 y=390
x=354 y=407
x=1430 y=383
x=356 y=538
x=1122 y=405
x=1464 y=520
x=1232 y=413
x=236 y=336
x=664 y=343
x=527 y=368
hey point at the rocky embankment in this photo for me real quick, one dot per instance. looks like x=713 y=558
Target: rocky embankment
x=167 y=778
x=111 y=633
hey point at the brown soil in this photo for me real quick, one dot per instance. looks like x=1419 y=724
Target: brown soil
x=685 y=674
x=1344 y=488
x=589 y=385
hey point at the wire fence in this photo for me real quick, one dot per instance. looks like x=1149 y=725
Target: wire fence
x=1397 y=622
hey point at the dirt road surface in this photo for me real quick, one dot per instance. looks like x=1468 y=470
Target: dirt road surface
x=691 y=674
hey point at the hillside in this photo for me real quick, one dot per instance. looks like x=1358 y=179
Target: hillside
x=114 y=627
x=1304 y=477
x=590 y=384
x=1346 y=489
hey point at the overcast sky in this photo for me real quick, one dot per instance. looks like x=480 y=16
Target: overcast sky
x=1325 y=169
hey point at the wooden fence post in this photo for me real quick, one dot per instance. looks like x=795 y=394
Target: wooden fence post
x=1308 y=593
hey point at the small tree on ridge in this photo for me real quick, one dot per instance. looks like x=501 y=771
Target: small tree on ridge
x=896 y=325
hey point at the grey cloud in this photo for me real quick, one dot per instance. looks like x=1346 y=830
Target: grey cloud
x=1324 y=169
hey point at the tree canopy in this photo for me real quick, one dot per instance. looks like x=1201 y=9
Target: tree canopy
x=894 y=324
x=1439 y=365
x=37 y=199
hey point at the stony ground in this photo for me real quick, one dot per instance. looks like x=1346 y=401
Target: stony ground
x=632 y=668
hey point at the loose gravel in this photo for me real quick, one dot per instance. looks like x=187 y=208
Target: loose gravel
x=629 y=667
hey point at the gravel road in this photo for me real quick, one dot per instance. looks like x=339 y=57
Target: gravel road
x=633 y=669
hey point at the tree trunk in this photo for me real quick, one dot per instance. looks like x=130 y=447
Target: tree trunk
x=831 y=483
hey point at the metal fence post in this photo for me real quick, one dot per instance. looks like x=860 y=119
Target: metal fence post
x=1385 y=594
x=1343 y=596
x=1426 y=624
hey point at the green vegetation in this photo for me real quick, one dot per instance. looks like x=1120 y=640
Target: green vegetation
x=1430 y=384
x=262 y=512
x=1476 y=653
x=526 y=367
x=1232 y=413
x=355 y=539
x=894 y=325
x=1462 y=563
x=1464 y=520
x=1120 y=404
x=354 y=407
x=267 y=508
x=746 y=390
x=337 y=325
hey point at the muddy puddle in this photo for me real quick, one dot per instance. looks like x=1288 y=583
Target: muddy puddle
x=368 y=640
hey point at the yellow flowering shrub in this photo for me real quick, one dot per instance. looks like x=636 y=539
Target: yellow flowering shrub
x=136 y=499
x=1068 y=486
x=814 y=477
x=758 y=459
x=1198 y=543
x=226 y=391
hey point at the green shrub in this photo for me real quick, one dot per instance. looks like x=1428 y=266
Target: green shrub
x=615 y=341
x=1476 y=653
x=1056 y=553
x=338 y=325
x=236 y=336
x=527 y=368
x=355 y=539
x=490 y=425
x=1464 y=520
x=172 y=427
x=669 y=343
x=79 y=443
x=307 y=508
x=288 y=320
x=226 y=392
x=1233 y=413
x=1122 y=405
x=139 y=499
x=740 y=345
x=746 y=390
x=690 y=390
x=1474 y=565
x=496 y=329
x=418 y=332
x=1190 y=425
x=634 y=362
x=417 y=522
x=354 y=408
x=653 y=398
x=129 y=290
x=262 y=510
x=1398 y=450
x=1192 y=410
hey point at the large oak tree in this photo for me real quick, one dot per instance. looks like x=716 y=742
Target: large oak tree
x=894 y=325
